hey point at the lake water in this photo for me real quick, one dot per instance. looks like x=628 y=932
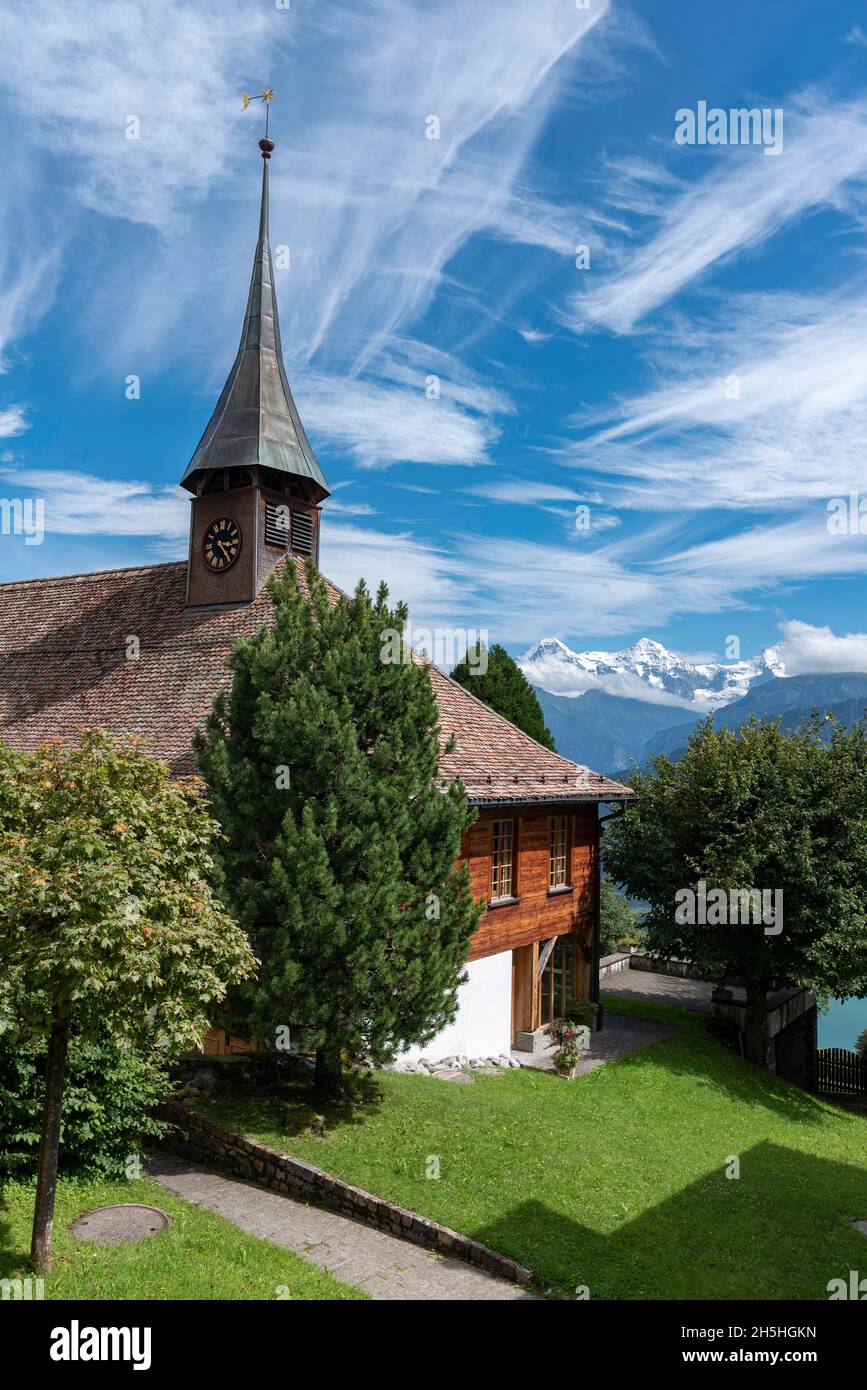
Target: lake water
x=842 y=1024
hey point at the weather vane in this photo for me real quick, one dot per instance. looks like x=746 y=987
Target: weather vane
x=267 y=96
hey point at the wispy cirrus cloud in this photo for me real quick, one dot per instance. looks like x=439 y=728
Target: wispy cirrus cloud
x=741 y=200
x=79 y=504
x=763 y=407
x=373 y=210
x=172 y=68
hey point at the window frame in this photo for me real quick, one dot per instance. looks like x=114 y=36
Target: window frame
x=566 y=885
x=495 y=877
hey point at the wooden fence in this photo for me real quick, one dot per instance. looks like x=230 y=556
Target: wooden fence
x=841 y=1071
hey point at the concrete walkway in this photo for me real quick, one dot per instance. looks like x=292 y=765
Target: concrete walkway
x=667 y=989
x=618 y=1037
x=384 y=1266
x=674 y=989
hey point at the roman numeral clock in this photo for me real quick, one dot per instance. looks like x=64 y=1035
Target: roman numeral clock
x=221 y=543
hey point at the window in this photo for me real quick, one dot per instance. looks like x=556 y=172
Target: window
x=502 y=877
x=557 y=986
x=557 y=876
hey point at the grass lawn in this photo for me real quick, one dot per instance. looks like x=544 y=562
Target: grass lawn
x=615 y=1181
x=200 y=1256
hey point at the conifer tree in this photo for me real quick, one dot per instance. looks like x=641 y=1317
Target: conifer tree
x=341 y=842
x=497 y=679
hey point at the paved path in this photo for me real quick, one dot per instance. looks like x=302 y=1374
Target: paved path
x=667 y=989
x=617 y=1037
x=382 y=1265
x=673 y=989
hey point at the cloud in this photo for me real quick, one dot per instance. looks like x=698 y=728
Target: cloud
x=383 y=422
x=560 y=679
x=742 y=200
x=371 y=209
x=414 y=570
x=12 y=421
x=174 y=69
x=762 y=406
x=526 y=491
x=808 y=650
x=857 y=36
x=79 y=504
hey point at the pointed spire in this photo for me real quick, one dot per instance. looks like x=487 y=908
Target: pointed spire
x=255 y=421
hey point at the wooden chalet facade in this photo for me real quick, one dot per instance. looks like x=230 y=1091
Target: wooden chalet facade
x=67 y=662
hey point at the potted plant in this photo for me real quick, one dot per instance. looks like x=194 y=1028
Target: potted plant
x=571 y=1037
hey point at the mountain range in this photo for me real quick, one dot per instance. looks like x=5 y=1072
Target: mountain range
x=611 y=710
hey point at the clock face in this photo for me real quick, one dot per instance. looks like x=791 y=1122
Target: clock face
x=221 y=545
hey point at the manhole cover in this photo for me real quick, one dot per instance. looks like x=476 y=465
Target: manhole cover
x=127 y=1221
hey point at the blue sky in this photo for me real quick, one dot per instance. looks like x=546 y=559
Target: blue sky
x=700 y=387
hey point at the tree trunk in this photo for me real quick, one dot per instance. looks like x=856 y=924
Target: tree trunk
x=46 y=1179
x=328 y=1076
x=757 y=1023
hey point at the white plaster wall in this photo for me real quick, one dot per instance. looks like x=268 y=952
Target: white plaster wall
x=483 y=1026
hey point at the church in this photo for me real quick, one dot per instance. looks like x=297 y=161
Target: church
x=142 y=651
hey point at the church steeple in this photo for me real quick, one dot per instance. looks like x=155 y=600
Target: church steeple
x=257 y=485
x=256 y=421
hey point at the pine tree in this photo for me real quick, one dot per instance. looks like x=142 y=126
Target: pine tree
x=497 y=679
x=341 y=843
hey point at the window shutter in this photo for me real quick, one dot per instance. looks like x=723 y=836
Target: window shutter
x=302 y=533
x=276 y=528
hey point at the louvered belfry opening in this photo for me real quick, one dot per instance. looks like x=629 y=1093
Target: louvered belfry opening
x=277 y=524
x=303 y=538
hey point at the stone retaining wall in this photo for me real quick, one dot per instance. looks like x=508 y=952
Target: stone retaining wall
x=195 y=1137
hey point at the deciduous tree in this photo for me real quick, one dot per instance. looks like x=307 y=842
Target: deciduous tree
x=107 y=919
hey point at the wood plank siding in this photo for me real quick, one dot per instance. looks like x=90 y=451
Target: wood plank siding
x=537 y=912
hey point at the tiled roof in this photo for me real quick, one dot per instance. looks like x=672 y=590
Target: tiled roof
x=64 y=666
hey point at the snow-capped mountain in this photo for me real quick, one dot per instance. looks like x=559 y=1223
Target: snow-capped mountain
x=646 y=671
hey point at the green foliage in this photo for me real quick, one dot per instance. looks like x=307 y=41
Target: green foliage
x=617 y=921
x=861 y=1045
x=757 y=809
x=109 y=1090
x=582 y=1012
x=505 y=688
x=340 y=847
x=108 y=918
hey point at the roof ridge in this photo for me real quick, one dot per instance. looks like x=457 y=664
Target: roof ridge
x=88 y=574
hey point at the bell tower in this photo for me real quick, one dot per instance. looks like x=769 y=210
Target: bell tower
x=257 y=488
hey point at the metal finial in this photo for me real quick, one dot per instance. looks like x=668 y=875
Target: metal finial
x=267 y=97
